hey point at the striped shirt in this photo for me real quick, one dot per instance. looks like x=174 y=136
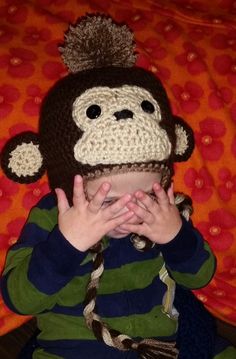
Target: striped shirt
x=46 y=276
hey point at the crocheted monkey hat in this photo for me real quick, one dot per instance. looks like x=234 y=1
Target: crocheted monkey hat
x=107 y=116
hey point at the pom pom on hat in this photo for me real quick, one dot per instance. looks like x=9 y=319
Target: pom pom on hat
x=95 y=42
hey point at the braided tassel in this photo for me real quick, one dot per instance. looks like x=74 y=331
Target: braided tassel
x=147 y=348
x=184 y=205
x=152 y=348
x=155 y=349
x=91 y=294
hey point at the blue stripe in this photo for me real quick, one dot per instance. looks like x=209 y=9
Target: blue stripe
x=118 y=253
x=53 y=263
x=47 y=202
x=221 y=344
x=123 y=303
x=182 y=254
x=121 y=251
x=30 y=236
x=88 y=349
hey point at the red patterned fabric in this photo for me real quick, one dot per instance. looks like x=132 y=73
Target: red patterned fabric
x=191 y=46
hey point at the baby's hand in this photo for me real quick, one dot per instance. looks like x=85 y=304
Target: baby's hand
x=161 y=218
x=86 y=222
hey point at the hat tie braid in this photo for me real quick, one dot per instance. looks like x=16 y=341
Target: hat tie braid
x=147 y=348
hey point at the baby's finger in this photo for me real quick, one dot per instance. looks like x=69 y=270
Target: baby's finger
x=119 y=220
x=146 y=200
x=99 y=197
x=142 y=213
x=62 y=202
x=117 y=206
x=162 y=198
x=170 y=194
x=78 y=191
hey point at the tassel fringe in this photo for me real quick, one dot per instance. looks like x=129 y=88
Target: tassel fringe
x=154 y=349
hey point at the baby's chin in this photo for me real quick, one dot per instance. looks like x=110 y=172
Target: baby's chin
x=119 y=233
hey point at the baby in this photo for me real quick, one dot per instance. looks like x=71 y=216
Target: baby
x=99 y=258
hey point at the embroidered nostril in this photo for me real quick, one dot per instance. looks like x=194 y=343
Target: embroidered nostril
x=123 y=115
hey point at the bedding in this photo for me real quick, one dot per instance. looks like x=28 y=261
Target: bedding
x=191 y=46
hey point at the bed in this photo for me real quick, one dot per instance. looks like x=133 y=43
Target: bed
x=191 y=46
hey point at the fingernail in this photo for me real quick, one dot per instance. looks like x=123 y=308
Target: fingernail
x=130 y=213
x=78 y=178
x=128 y=197
x=106 y=186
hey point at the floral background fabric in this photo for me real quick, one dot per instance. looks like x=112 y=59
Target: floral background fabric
x=191 y=46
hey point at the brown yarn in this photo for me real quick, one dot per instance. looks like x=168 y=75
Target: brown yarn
x=97 y=41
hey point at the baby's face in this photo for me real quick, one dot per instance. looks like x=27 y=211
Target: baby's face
x=121 y=184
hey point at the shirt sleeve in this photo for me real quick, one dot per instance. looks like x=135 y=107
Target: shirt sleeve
x=40 y=264
x=188 y=258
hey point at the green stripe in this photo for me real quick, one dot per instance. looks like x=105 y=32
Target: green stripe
x=41 y=354
x=33 y=301
x=44 y=218
x=228 y=353
x=135 y=275
x=154 y=323
x=14 y=257
x=199 y=279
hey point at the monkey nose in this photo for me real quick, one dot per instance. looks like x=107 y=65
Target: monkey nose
x=123 y=115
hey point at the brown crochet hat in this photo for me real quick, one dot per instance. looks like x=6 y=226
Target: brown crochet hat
x=107 y=116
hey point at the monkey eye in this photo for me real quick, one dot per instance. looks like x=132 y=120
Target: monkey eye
x=93 y=111
x=147 y=106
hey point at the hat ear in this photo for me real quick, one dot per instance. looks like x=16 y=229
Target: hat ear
x=21 y=159
x=184 y=140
